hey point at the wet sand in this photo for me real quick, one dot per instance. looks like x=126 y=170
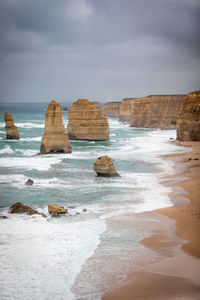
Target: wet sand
x=177 y=274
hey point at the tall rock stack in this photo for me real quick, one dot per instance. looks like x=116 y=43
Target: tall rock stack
x=188 y=120
x=54 y=139
x=111 y=109
x=87 y=122
x=12 y=132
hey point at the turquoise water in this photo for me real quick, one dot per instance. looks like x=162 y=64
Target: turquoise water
x=44 y=258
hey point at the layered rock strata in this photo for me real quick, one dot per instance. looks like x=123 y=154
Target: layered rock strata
x=125 y=109
x=104 y=167
x=111 y=109
x=54 y=139
x=86 y=122
x=188 y=120
x=12 y=132
x=158 y=111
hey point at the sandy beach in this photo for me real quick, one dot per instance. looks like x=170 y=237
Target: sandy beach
x=177 y=274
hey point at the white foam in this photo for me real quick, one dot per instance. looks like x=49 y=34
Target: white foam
x=25 y=125
x=6 y=150
x=44 y=258
x=27 y=152
x=39 y=162
x=34 y=139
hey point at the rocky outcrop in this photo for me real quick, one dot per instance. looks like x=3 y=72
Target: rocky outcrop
x=111 y=109
x=125 y=109
x=158 y=111
x=188 y=120
x=104 y=167
x=86 y=122
x=56 y=210
x=54 y=139
x=29 y=182
x=12 y=132
x=19 y=208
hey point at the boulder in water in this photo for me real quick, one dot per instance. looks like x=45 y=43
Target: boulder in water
x=105 y=167
x=29 y=182
x=19 y=208
x=56 y=210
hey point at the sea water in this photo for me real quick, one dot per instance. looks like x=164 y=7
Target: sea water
x=69 y=257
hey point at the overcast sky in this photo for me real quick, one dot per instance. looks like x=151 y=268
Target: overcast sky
x=102 y=50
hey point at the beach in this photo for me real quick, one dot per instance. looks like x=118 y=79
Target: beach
x=176 y=275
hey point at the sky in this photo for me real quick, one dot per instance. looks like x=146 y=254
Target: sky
x=102 y=50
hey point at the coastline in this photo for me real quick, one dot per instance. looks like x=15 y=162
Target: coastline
x=177 y=274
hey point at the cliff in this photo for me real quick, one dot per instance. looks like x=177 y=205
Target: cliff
x=188 y=120
x=111 y=109
x=12 y=132
x=125 y=109
x=54 y=139
x=86 y=122
x=157 y=111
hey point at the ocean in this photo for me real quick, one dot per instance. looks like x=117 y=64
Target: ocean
x=71 y=257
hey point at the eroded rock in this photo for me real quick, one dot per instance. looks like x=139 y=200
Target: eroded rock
x=87 y=122
x=19 y=208
x=12 y=132
x=54 y=139
x=29 y=182
x=56 y=210
x=105 y=167
x=188 y=120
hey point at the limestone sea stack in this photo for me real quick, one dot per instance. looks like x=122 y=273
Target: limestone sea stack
x=87 y=122
x=54 y=139
x=104 y=167
x=188 y=120
x=12 y=132
x=111 y=109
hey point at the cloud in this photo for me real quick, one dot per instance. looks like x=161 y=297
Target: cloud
x=104 y=48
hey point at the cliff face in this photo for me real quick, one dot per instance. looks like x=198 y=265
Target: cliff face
x=159 y=111
x=11 y=130
x=188 y=120
x=125 y=109
x=111 y=109
x=86 y=122
x=54 y=139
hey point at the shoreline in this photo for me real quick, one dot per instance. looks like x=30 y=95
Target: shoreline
x=177 y=274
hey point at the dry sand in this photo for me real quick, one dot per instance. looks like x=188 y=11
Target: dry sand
x=178 y=275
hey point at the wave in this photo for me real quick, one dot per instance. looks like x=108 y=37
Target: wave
x=34 y=139
x=25 y=125
x=6 y=150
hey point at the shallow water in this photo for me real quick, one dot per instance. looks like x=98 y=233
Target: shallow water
x=41 y=258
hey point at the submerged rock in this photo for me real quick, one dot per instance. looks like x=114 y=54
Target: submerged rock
x=29 y=182
x=87 y=122
x=54 y=139
x=105 y=167
x=56 y=210
x=188 y=120
x=19 y=208
x=12 y=132
x=3 y=217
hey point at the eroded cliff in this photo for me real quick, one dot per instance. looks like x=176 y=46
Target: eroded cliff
x=87 y=122
x=156 y=111
x=111 y=109
x=188 y=120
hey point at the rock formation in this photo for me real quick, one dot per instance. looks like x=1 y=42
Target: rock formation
x=19 y=208
x=158 y=111
x=11 y=130
x=54 y=139
x=86 y=122
x=104 y=167
x=56 y=210
x=188 y=120
x=29 y=182
x=111 y=109
x=125 y=109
